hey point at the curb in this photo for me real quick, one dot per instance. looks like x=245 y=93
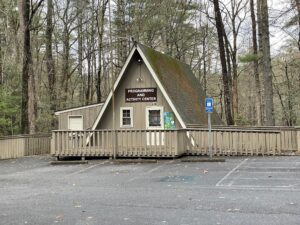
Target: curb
x=202 y=159
x=68 y=162
x=124 y=161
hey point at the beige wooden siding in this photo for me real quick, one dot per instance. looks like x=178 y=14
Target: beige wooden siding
x=129 y=80
x=89 y=116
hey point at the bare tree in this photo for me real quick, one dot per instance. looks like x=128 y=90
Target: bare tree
x=225 y=76
x=67 y=15
x=237 y=13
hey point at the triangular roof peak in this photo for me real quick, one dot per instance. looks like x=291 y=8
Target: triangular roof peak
x=175 y=80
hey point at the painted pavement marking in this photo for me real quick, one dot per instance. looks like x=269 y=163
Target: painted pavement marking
x=151 y=170
x=88 y=168
x=230 y=172
x=268 y=169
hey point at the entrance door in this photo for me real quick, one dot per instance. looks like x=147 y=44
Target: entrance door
x=155 y=121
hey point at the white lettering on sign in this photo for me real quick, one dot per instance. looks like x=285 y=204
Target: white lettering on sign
x=140 y=94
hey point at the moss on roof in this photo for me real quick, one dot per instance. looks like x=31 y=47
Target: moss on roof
x=181 y=85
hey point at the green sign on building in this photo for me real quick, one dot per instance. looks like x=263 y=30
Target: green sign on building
x=169 y=120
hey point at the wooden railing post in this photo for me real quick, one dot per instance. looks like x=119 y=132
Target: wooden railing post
x=52 y=150
x=298 y=139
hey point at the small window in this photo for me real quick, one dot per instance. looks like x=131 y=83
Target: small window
x=154 y=117
x=126 y=117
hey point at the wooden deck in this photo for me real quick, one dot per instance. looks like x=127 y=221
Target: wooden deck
x=172 y=143
x=227 y=141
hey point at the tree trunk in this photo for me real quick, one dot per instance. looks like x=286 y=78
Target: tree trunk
x=298 y=10
x=100 y=29
x=121 y=32
x=49 y=58
x=235 y=97
x=229 y=68
x=80 y=50
x=225 y=75
x=291 y=120
x=89 y=75
x=1 y=63
x=260 y=61
x=65 y=66
x=255 y=67
x=267 y=68
x=28 y=85
x=204 y=56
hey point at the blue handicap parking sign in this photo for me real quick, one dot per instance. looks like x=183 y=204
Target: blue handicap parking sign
x=208 y=105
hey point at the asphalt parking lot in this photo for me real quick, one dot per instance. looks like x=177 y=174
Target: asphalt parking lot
x=260 y=190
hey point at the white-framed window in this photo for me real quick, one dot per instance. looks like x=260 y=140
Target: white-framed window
x=126 y=117
x=75 y=122
x=154 y=117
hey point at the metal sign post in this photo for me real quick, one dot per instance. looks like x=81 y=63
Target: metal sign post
x=209 y=110
x=209 y=136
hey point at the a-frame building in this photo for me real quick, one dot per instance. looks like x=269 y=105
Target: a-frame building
x=153 y=91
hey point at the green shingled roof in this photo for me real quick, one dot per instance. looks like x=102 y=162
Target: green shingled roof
x=181 y=85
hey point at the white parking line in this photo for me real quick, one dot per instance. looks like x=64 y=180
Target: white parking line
x=85 y=169
x=269 y=179
x=257 y=187
x=272 y=172
x=150 y=171
x=273 y=162
x=271 y=167
x=230 y=172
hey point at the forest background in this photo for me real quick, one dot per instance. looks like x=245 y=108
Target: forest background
x=56 y=54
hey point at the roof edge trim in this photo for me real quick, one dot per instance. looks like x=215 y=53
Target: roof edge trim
x=76 y=108
x=114 y=88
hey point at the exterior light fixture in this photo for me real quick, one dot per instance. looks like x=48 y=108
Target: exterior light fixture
x=139 y=79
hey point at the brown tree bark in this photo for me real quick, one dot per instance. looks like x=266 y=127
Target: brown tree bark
x=122 y=38
x=225 y=76
x=1 y=63
x=49 y=58
x=297 y=2
x=80 y=50
x=266 y=59
x=27 y=61
x=255 y=66
x=28 y=107
x=291 y=119
x=65 y=69
x=235 y=30
x=100 y=30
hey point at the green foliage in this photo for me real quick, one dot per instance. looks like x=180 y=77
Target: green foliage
x=9 y=112
x=247 y=58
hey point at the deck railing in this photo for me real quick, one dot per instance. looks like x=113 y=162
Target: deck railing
x=156 y=143
x=24 y=145
x=147 y=143
x=234 y=142
x=289 y=136
x=172 y=143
